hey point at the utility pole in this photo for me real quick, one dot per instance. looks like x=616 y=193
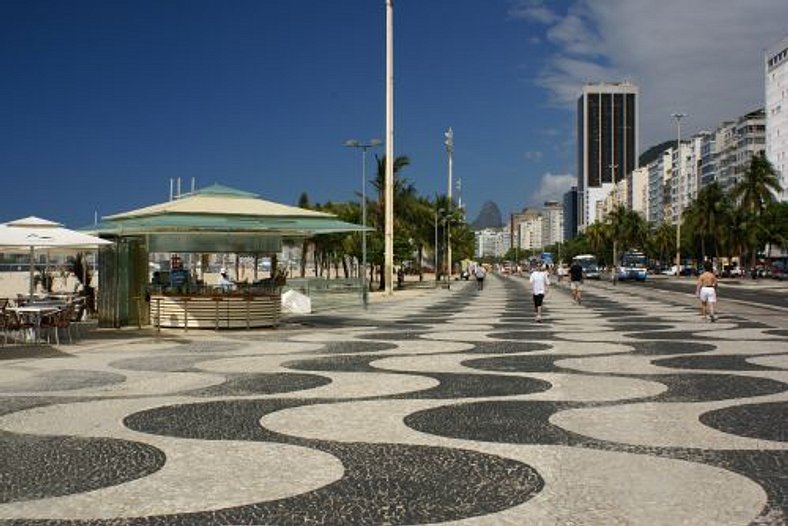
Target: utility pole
x=449 y=134
x=388 y=266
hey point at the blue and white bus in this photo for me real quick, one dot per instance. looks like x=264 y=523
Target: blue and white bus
x=633 y=266
x=590 y=265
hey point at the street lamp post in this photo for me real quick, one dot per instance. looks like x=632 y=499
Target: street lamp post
x=677 y=171
x=437 y=213
x=614 y=204
x=449 y=134
x=353 y=143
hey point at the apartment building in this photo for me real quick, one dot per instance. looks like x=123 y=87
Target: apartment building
x=776 y=111
x=552 y=223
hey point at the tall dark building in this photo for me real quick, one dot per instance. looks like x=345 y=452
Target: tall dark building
x=607 y=143
x=570 y=214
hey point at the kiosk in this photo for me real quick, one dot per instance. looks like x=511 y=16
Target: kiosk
x=212 y=220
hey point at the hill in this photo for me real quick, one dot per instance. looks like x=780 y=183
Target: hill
x=489 y=217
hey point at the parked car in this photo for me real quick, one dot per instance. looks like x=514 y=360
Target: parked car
x=779 y=270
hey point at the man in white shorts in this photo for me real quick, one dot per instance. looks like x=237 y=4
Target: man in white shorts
x=706 y=290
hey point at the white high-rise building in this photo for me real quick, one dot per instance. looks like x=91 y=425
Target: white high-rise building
x=531 y=230
x=552 y=223
x=683 y=189
x=639 y=187
x=777 y=111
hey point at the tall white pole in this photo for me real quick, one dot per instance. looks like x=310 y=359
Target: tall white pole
x=436 y=246
x=388 y=266
x=677 y=171
x=449 y=149
x=364 y=287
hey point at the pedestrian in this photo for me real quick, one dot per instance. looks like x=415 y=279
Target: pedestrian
x=224 y=281
x=481 y=272
x=540 y=282
x=576 y=281
x=706 y=290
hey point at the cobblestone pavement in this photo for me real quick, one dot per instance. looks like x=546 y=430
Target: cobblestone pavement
x=445 y=407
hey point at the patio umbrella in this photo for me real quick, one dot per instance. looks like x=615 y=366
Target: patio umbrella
x=33 y=233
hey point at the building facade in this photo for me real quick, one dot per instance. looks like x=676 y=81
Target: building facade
x=552 y=223
x=491 y=242
x=776 y=111
x=607 y=143
x=570 y=213
x=531 y=230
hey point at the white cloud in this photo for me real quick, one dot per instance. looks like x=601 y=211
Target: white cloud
x=703 y=58
x=552 y=187
x=533 y=11
x=534 y=155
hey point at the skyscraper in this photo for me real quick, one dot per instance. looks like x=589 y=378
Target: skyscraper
x=570 y=214
x=607 y=143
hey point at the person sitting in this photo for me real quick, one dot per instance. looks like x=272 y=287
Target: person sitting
x=224 y=281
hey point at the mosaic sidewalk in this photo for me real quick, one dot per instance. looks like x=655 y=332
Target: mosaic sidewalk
x=451 y=407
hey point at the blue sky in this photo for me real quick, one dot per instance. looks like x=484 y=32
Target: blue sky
x=102 y=102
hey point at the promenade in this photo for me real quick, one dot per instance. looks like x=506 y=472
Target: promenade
x=435 y=407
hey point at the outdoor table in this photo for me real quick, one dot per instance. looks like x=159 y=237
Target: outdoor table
x=34 y=314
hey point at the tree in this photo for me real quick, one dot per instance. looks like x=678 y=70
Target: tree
x=403 y=192
x=755 y=192
x=663 y=241
x=598 y=237
x=303 y=202
x=706 y=216
x=774 y=225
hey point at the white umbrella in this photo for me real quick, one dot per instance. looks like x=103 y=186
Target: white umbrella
x=33 y=233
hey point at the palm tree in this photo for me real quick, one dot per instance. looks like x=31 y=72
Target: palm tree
x=758 y=187
x=627 y=228
x=597 y=236
x=403 y=192
x=663 y=238
x=774 y=225
x=303 y=202
x=706 y=216
x=756 y=191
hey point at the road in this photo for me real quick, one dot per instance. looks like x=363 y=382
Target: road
x=757 y=300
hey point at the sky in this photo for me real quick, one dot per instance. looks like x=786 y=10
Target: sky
x=103 y=102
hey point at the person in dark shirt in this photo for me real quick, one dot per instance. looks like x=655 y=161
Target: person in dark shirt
x=576 y=281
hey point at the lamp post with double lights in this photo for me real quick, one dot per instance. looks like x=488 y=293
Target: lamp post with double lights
x=353 y=143
x=677 y=171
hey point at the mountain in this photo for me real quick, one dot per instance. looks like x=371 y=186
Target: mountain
x=489 y=217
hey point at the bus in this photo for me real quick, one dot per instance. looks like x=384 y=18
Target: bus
x=589 y=264
x=633 y=266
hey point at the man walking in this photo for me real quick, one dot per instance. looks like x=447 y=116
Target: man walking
x=539 y=285
x=576 y=281
x=480 y=272
x=706 y=290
